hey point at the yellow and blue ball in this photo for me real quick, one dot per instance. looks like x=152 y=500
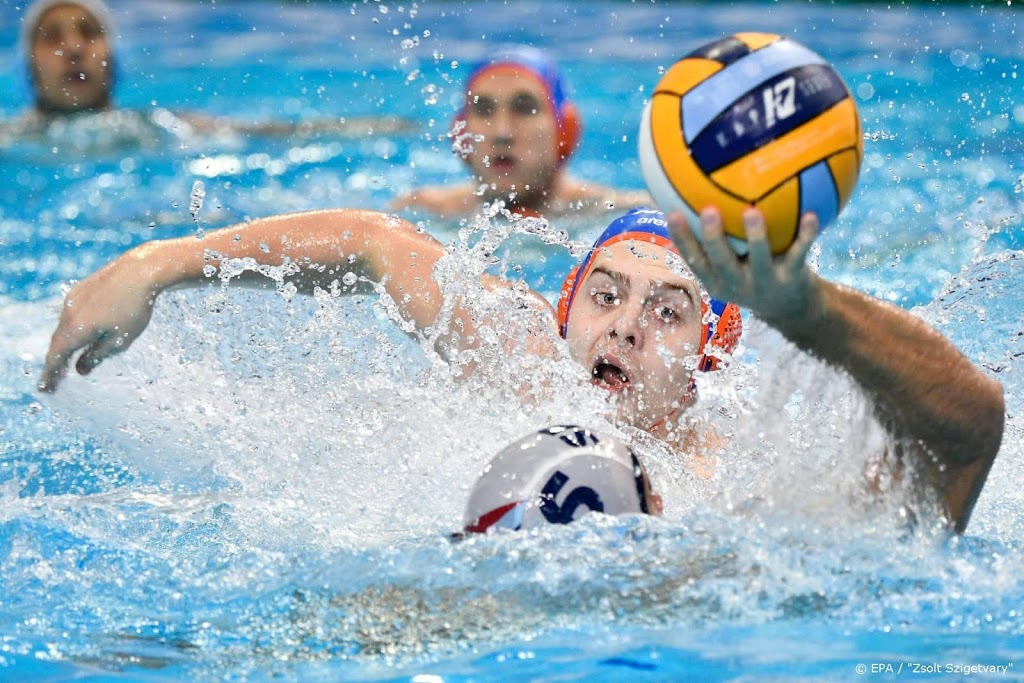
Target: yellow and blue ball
x=754 y=119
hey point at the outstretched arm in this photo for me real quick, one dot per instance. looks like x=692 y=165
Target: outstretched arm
x=922 y=386
x=107 y=311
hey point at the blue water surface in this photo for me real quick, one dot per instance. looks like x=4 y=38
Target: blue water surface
x=262 y=487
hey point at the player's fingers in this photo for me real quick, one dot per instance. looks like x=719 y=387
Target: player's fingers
x=54 y=368
x=687 y=243
x=796 y=255
x=721 y=257
x=103 y=348
x=759 y=251
x=66 y=340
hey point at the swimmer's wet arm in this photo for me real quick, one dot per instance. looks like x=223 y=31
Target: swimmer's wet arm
x=378 y=249
x=322 y=250
x=107 y=311
x=922 y=386
x=104 y=313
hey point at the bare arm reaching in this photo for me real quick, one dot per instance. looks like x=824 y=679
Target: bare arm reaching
x=924 y=389
x=107 y=311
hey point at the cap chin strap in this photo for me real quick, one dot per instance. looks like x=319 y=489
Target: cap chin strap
x=675 y=411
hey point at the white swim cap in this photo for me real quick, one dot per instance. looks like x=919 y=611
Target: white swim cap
x=30 y=22
x=555 y=476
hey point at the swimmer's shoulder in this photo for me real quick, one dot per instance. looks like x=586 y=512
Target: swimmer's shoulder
x=356 y=126
x=27 y=124
x=577 y=195
x=441 y=200
x=697 y=446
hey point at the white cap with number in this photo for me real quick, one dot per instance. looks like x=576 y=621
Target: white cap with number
x=555 y=476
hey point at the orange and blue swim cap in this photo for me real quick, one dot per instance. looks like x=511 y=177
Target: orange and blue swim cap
x=533 y=63
x=722 y=323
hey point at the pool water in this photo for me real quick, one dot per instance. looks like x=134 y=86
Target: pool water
x=263 y=487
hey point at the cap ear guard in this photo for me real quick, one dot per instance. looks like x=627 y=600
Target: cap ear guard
x=721 y=334
x=564 y=298
x=570 y=129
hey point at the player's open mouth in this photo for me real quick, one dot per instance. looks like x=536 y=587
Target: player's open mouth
x=503 y=162
x=609 y=375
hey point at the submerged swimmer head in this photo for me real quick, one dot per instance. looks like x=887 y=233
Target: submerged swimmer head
x=633 y=314
x=555 y=476
x=520 y=125
x=68 y=47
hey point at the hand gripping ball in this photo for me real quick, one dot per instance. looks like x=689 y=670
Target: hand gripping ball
x=754 y=119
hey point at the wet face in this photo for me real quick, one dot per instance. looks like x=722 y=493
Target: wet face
x=511 y=111
x=71 y=61
x=635 y=324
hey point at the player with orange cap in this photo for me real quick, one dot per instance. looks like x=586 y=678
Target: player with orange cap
x=635 y=314
x=516 y=131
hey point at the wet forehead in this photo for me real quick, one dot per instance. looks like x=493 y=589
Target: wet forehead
x=503 y=82
x=66 y=15
x=641 y=261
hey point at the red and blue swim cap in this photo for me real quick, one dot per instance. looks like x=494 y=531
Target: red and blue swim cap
x=721 y=329
x=534 y=63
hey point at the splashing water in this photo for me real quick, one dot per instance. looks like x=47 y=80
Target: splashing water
x=195 y=200
x=263 y=486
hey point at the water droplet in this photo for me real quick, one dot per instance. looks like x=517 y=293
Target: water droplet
x=349 y=279
x=195 y=200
